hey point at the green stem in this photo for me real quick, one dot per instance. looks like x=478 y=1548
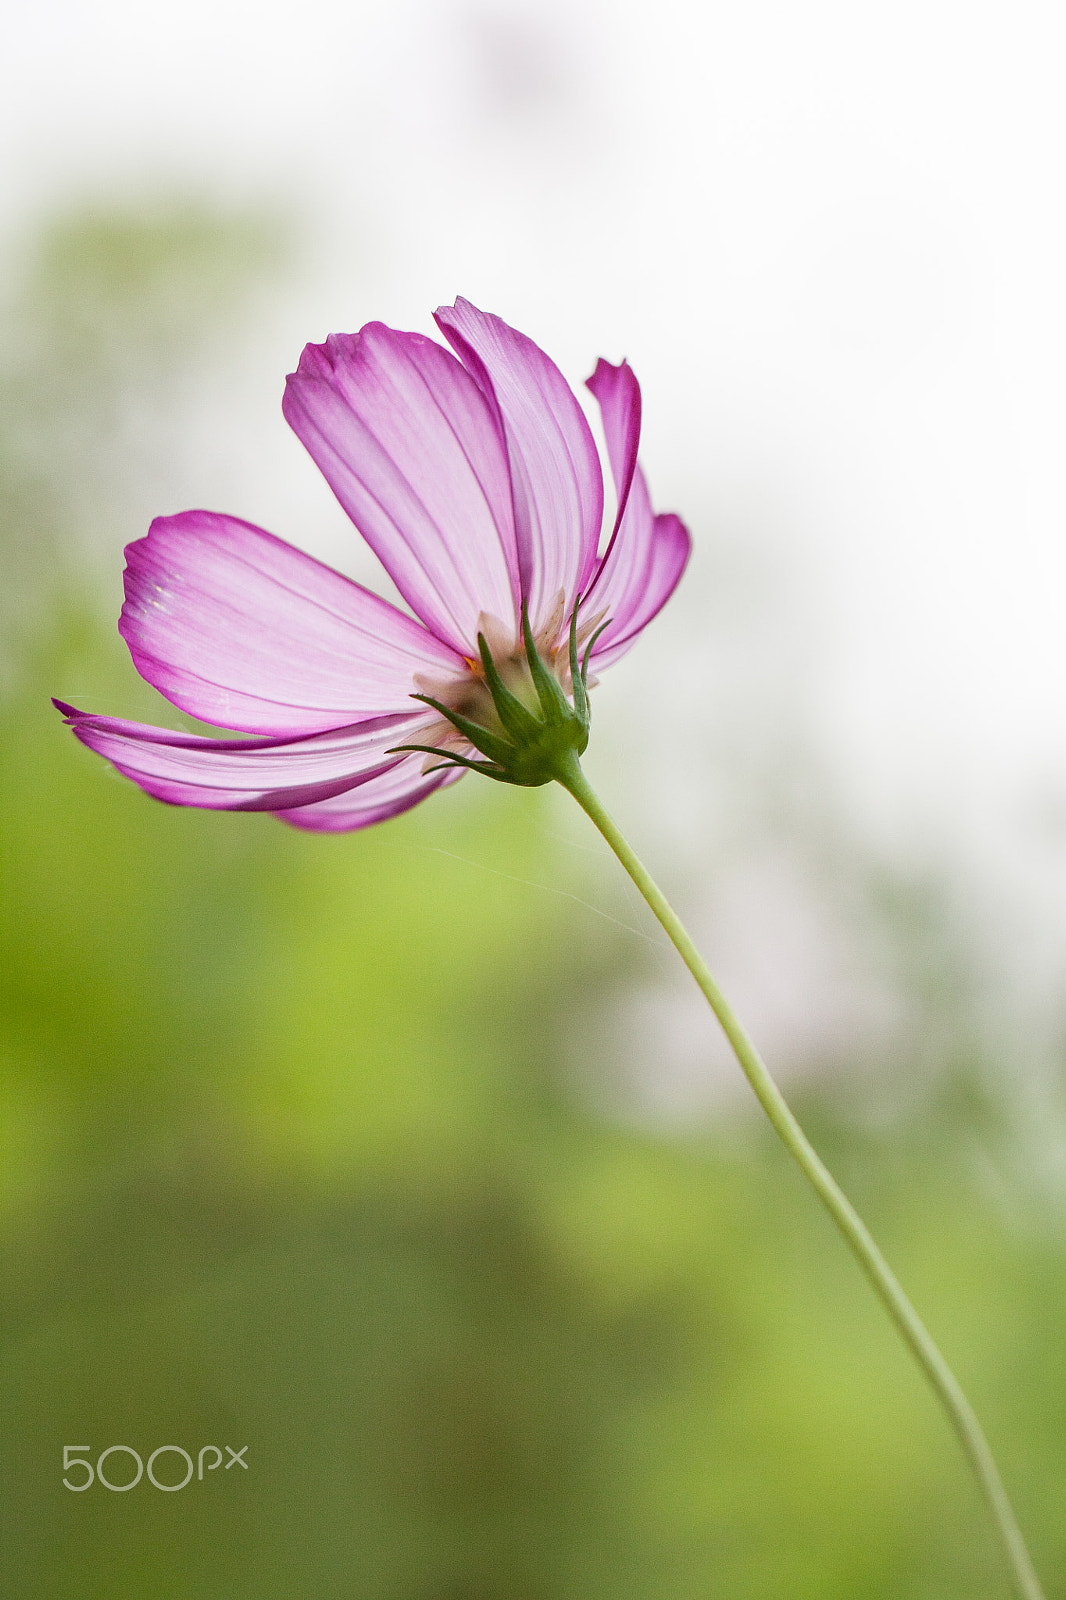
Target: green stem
x=880 y=1275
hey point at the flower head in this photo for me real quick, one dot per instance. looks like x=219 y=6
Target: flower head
x=475 y=479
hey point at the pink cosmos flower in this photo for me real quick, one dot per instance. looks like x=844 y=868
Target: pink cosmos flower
x=475 y=479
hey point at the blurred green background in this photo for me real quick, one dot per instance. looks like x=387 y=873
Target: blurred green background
x=295 y=1157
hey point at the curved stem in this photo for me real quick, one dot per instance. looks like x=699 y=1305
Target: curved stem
x=880 y=1275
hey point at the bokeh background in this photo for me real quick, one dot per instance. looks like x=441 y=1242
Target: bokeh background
x=407 y=1158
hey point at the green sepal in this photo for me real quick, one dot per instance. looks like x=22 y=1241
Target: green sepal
x=488 y=768
x=577 y=677
x=519 y=721
x=606 y=623
x=490 y=744
x=556 y=707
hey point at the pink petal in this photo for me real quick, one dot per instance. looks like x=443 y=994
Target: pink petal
x=414 y=453
x=641 y=579
x=244 y=631
x=246 y=774
x=555 y=468
x=397 y=790
x=617 y=393
x=647 y=553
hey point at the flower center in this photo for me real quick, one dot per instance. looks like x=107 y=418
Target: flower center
x=524 y=708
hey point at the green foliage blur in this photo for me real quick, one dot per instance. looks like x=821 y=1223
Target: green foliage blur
x=291 y=1160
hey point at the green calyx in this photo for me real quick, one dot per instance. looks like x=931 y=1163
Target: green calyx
x=535 y=742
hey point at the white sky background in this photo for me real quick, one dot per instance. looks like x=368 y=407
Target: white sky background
x=831 y=239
